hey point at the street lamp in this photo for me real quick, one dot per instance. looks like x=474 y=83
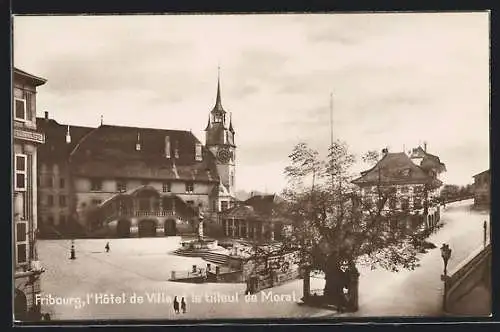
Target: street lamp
x=72 y=250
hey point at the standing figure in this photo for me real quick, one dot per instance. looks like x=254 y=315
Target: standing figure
x=183 y=305
x=176 y=305
x=107 y=247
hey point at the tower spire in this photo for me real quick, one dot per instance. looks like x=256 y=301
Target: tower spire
x=218 y=102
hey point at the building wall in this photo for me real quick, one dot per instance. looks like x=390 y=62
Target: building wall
x=86 y=198
x=413 y=192
x=24 y=226
x=50 y=187
x=482 y=189
x=28 y=93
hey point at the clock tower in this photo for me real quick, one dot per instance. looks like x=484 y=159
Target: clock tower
x=219 y=140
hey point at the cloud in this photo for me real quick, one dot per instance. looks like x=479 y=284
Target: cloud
x=397 y=79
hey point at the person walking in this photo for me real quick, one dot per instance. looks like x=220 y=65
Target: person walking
x=107 y=247
x=176 y=305
x=183 y=305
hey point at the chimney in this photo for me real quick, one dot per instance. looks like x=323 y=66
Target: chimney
x=425 y=146
x=46 y=115
x=385 y=151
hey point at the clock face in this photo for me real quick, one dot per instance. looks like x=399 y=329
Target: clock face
x=224 y=155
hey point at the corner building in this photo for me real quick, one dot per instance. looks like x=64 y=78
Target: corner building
x=26 y=140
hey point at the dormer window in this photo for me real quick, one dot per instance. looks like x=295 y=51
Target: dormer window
x=96 y=185
x=189 y=187
x=167 y=147
x=198 y=152
x=20 y=109
x=138 y=144
x=176 y=152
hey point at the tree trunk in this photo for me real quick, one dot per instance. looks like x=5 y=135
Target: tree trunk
x=306 y=286
x=334 y=282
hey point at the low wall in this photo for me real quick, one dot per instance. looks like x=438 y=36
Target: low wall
x=472 y=272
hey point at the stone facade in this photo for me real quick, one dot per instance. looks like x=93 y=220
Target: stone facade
x=26 y=267
x=482 y=189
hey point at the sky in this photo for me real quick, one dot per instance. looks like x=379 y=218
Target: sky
x=398 y=79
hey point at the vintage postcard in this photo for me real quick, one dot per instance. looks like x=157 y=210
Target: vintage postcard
x=201 y=167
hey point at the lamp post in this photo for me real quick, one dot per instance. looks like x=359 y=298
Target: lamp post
x=72 y=251
x=485 y=226
x=445 y=254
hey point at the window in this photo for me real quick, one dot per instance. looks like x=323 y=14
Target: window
x=20 y=109
x=214 y=205
x=189 y=187
x=167 y=187
x=50 y=200
x=49 y=182
x=62 y=200
x=20 y=172
x=392 y=203
x=50 y=220
x=190 y=203
x=62 y=219
x=417 y=203
x=21 y=242
x=404 y=189
x=121 y=186
x=224 y=205
x=62 y=183
x=405 y=204
x=96 y=201
x=96 y=185
x=198 y=152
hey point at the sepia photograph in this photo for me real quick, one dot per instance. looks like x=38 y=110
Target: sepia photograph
x=250 y=166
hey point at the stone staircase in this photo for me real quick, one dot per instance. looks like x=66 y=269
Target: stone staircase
x=209 y=256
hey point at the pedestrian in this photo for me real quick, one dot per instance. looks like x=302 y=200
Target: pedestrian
x=176 y=305
x=183 y=305
x=107 y=247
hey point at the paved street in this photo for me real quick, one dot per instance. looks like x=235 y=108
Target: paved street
x=419 y=292
x=142 y=267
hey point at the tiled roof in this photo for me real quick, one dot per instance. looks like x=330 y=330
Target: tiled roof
x=482 y=173
x=110 y=151
x=55 y=148
x=394 y=168
x=429 y=160
x=242 y=212
x=260 y=207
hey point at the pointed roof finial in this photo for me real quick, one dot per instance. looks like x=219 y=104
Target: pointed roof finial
x=218 y=102
x=231 y=129
x=102 y=120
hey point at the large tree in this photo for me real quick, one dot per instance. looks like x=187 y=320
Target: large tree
x=335 y=227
